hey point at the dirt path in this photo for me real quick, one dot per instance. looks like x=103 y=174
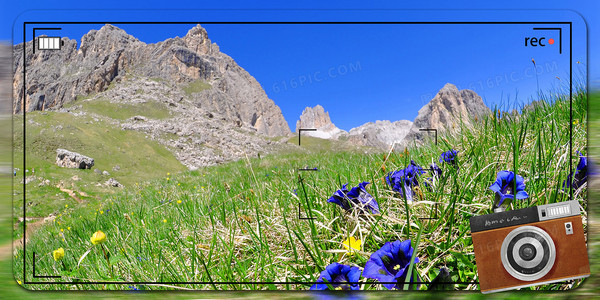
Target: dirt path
x=33 y=224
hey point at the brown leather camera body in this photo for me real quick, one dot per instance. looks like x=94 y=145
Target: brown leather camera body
x=528 y=247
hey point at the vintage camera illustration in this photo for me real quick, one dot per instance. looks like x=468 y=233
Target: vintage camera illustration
x=528 y=247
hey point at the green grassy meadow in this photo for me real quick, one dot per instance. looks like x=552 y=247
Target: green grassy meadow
x=236 y=226
x=53 y=188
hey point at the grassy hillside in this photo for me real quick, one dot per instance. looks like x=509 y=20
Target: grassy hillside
x=127 y=155
x=239 y=222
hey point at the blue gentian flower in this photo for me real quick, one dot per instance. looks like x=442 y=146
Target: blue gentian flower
x=357 y=195
x=406 y=177
x=338 y=276
x=435 y=173
x=435 y=170
x=449 y=157
x=504 y=187
x=580 y=176
x=390 y=264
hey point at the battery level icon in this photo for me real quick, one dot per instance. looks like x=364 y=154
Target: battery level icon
x=49 y=43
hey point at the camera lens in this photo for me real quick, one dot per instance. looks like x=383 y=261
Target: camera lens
x=527 y=252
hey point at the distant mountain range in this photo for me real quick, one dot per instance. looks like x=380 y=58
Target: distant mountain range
x=449 y=107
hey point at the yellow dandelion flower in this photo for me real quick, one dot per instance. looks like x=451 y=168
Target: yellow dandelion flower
x=68 y=228
x=62 y=230
x=58 y=254
x=98 y=237
x=66 y=205
x=167 y=178
x=178 y=184
x=352 y=245
x=168 y=174
x=101 y=212
x=164 y=220
x=178 y=201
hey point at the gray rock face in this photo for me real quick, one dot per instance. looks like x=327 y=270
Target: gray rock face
x=69 y=159
x=446 y=110
x=317 y=118
x=212 y=80
x=381 y=134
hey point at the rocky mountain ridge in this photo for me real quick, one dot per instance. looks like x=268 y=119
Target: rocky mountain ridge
x=182 y=92
x=55 y=78
x=380 y=134
x=445 y=111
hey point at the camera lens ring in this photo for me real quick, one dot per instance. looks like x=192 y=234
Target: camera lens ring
x=528 y=266
x=546 y=254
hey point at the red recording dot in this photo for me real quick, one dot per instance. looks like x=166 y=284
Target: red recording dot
x=551 y=41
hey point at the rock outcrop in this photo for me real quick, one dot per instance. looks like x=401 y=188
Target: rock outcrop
x=381 y=134
x=446 y=110
x=208 y=78
x=317 y=118
x=69 y=159
x=113 y=183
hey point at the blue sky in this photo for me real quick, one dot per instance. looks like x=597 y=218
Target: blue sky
x=362 y=73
